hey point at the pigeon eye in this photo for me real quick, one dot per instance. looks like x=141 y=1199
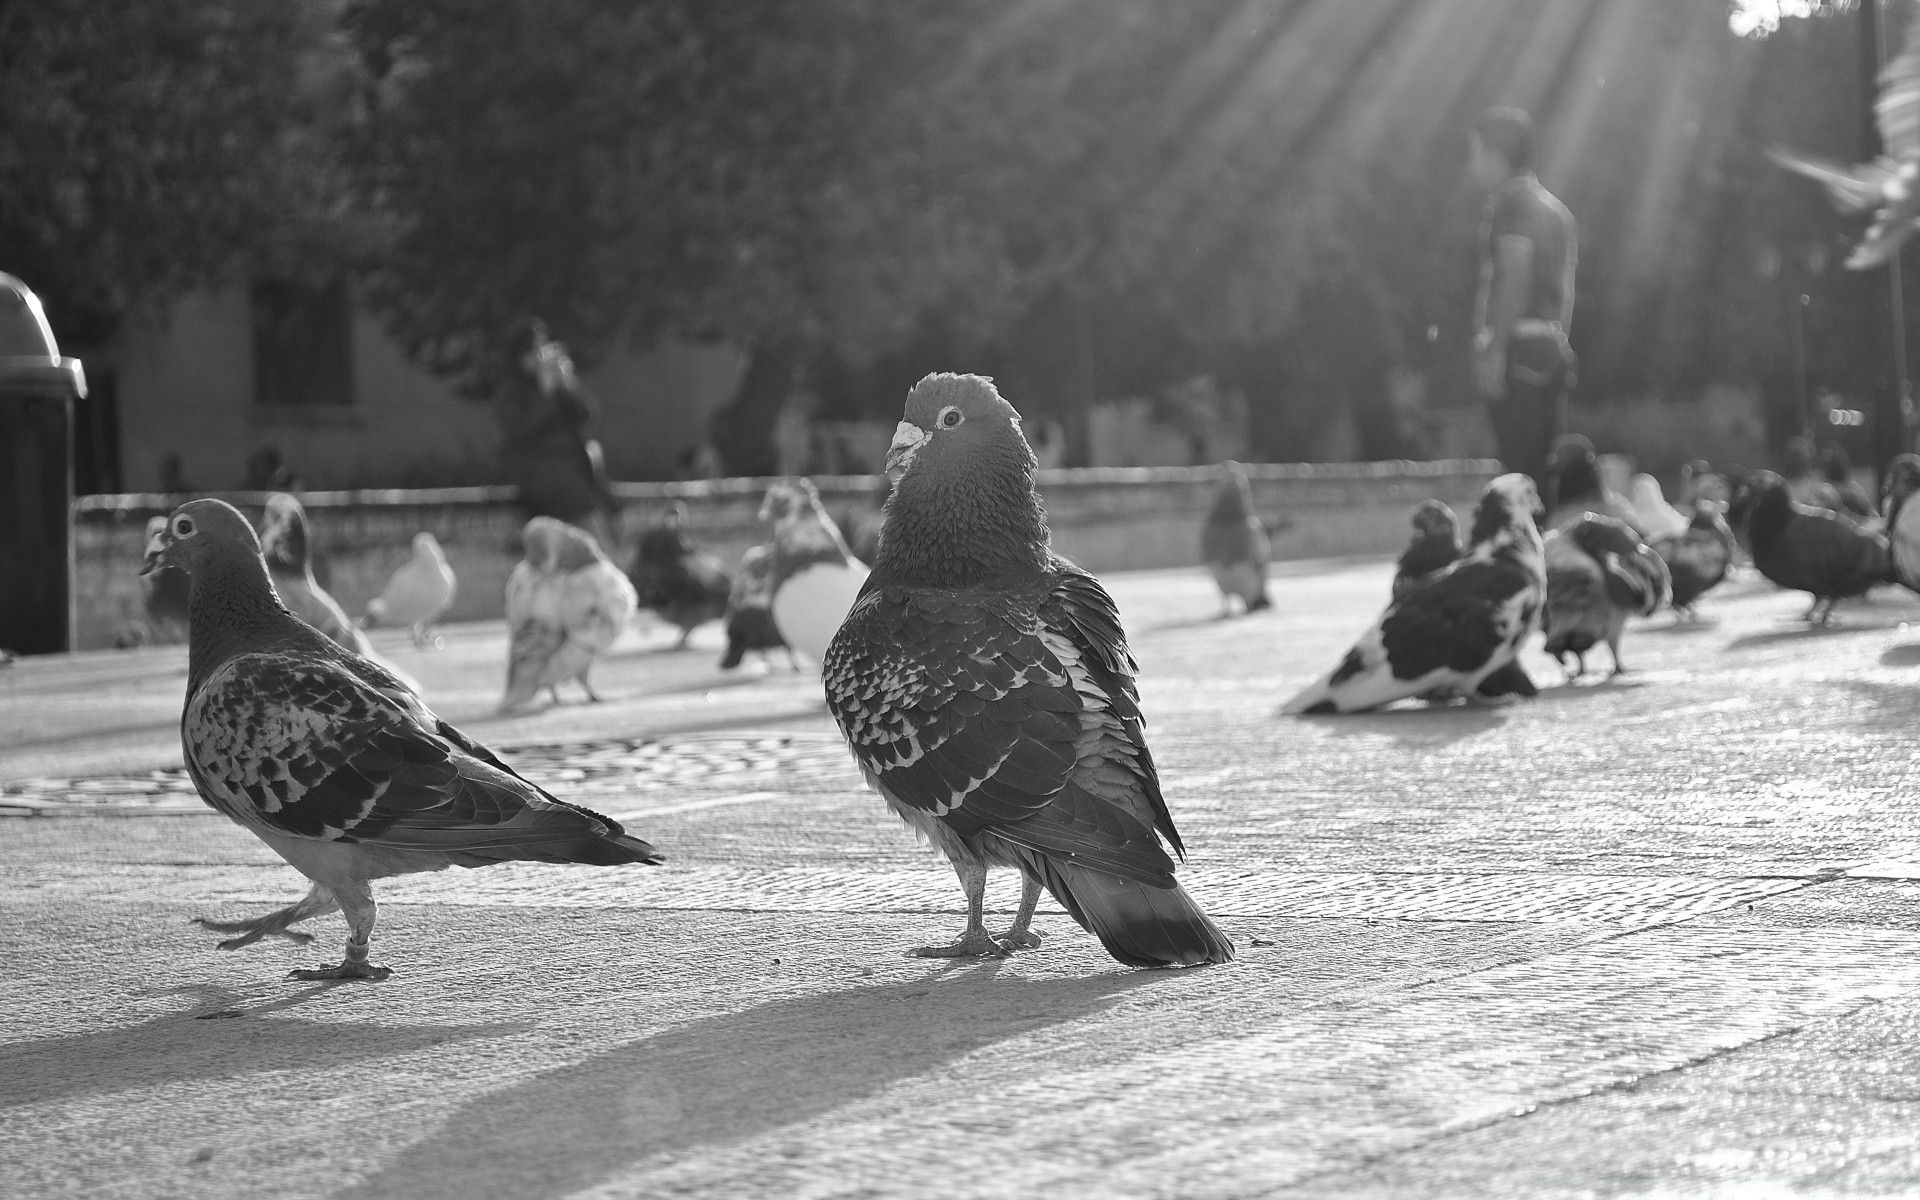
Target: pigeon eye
x=183 y=527
x=950 y=416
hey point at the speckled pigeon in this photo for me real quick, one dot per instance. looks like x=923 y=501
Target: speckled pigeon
x=566 y=602
x=1433 y=548
x=331 y=761
x=1599 y=573
x=985 y=686
x=1456 y=632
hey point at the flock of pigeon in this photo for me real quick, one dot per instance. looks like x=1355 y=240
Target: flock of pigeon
x=1459 y=615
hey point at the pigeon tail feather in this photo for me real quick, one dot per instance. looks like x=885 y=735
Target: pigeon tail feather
x=1140 y=925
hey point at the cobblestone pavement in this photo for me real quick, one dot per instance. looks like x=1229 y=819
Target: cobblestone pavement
x=1654 y=936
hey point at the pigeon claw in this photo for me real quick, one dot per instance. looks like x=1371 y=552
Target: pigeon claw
x=252 y=931
x=1023 y=939
x=976 y=943
x=345 y=970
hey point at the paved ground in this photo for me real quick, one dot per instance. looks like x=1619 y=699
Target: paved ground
x=1653 y=937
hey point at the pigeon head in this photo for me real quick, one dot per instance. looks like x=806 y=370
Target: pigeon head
x=427 y=546
x=1903 y=479
x=1510 y=502
x=1573 y=471
x=283 y=533
x=1753 y=490
x=551 y=544
x=1434 y=519
x=963 y=510
x=202 y=536
x=788 y=497
x=1234 y=500
x=231 y=604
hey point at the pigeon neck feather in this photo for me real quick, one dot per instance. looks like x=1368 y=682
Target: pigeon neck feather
x=965 y=528
x=232 y=608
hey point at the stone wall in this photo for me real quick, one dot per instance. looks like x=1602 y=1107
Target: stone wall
x=1106 y=519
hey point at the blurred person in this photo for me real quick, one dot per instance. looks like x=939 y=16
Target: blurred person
x=173 y=473
x=546 y=424
x=1523 y=364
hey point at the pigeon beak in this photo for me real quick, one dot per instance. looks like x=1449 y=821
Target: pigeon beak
x=907 y=440
x=156 y=550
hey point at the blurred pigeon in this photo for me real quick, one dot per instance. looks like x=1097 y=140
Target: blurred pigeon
x=1903 y=519
x=684 y=584
x=1806 y=549
x=985 y=686
x=165 y=594
x=750 y=611
x=1657 y=517
x=1599 y=573
x=815 y=576
x=1435 y=546
x=1575 y=486
x=1457 y=630
x=1699 y=482
x=1849 y=499
x=1234 y=544
x=333 y=762
x=1890 y=185
x=284 y=540
x=1698 y=557
x=565 y=603
x=418 y=591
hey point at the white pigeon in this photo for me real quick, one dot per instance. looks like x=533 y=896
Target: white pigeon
x=815 y=577
x=1658 y=519
x=418 y=591
x=565 y=603
x=1456 y=631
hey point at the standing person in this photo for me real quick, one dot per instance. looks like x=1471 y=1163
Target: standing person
x=546 y=423
x=1523 y=365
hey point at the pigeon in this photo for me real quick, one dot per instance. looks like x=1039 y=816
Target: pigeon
x=1457 y=630
x=565 y=603
x=1850 y=500
x=284 y=539
x=1698 y=482
x=1804 y=549
x=333 y=762
x=1599 y=573
x=685 y=585
x=986 y=689
x=1234 y=544
x=1435 y=546
x=165 y=595
x=750 y=611
x=1657 y=517
x=418 y=591
x=815 y=576
x=1698 y=557
x=1575 y=486
x=1903 y=519
x=1890 y=185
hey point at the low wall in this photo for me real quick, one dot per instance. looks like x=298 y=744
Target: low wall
x=1106 y=519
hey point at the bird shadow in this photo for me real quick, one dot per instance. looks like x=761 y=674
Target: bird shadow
x=1906 y=654
x=1682 y=628
x=195 y=1044
x=724 y=1079
x=1803 y=632
x=1218 y=618
x=1417 y=725
x=1588 y=688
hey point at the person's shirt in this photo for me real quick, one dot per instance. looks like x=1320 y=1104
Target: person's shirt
x=1520 y=207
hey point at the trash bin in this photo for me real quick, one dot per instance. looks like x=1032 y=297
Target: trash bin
x=37 y=391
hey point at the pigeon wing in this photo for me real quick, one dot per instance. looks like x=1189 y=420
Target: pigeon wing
x=1458 y=621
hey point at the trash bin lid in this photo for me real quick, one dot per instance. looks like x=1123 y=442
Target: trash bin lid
x=29 y=357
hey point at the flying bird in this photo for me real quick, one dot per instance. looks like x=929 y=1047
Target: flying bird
x=1455 y=632
x=750 y=611
x=685 y=585
x=1434 y=547
x=285 y=538
x=164 y=593
x=1812 y=550
x=1889 y=186
x=1698 y=557
x=1903 y=519
x=1575 y=486
x=417 y=592
x=565 y=604
x=815 y=576
x=1234 y=544
x=333 y=762
x=986 y=689
x=1599 y=573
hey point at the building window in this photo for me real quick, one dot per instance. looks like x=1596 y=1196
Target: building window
x=302 y=345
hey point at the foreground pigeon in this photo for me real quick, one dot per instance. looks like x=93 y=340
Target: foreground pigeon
x=1434 y=547
x=1234 y=544
x=985 y=687
x=1575 y=486
x=1599 y=573
x=750 y=611
x=165 y=594
x=1903 y=519
x=417 y=592
x=685 y=585
x=1698 y=557
x=331 y=761
x=815 y=576
x=1812 y=550
x=285 y=541
x=1457 y=631
x=565 y=604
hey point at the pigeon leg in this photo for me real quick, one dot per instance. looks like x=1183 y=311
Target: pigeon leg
x=682 y=643
x=361 y=914
x=593 y=697
x=1018 y=936
x=1619 y=668
x=975 y=941
x=317 y=902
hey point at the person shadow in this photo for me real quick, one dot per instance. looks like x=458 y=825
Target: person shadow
x=726 y=1078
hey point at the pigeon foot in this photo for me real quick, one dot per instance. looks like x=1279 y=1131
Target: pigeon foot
x=271 y=925
x=975 y=943
x=1019 y=939
x=346 y=970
